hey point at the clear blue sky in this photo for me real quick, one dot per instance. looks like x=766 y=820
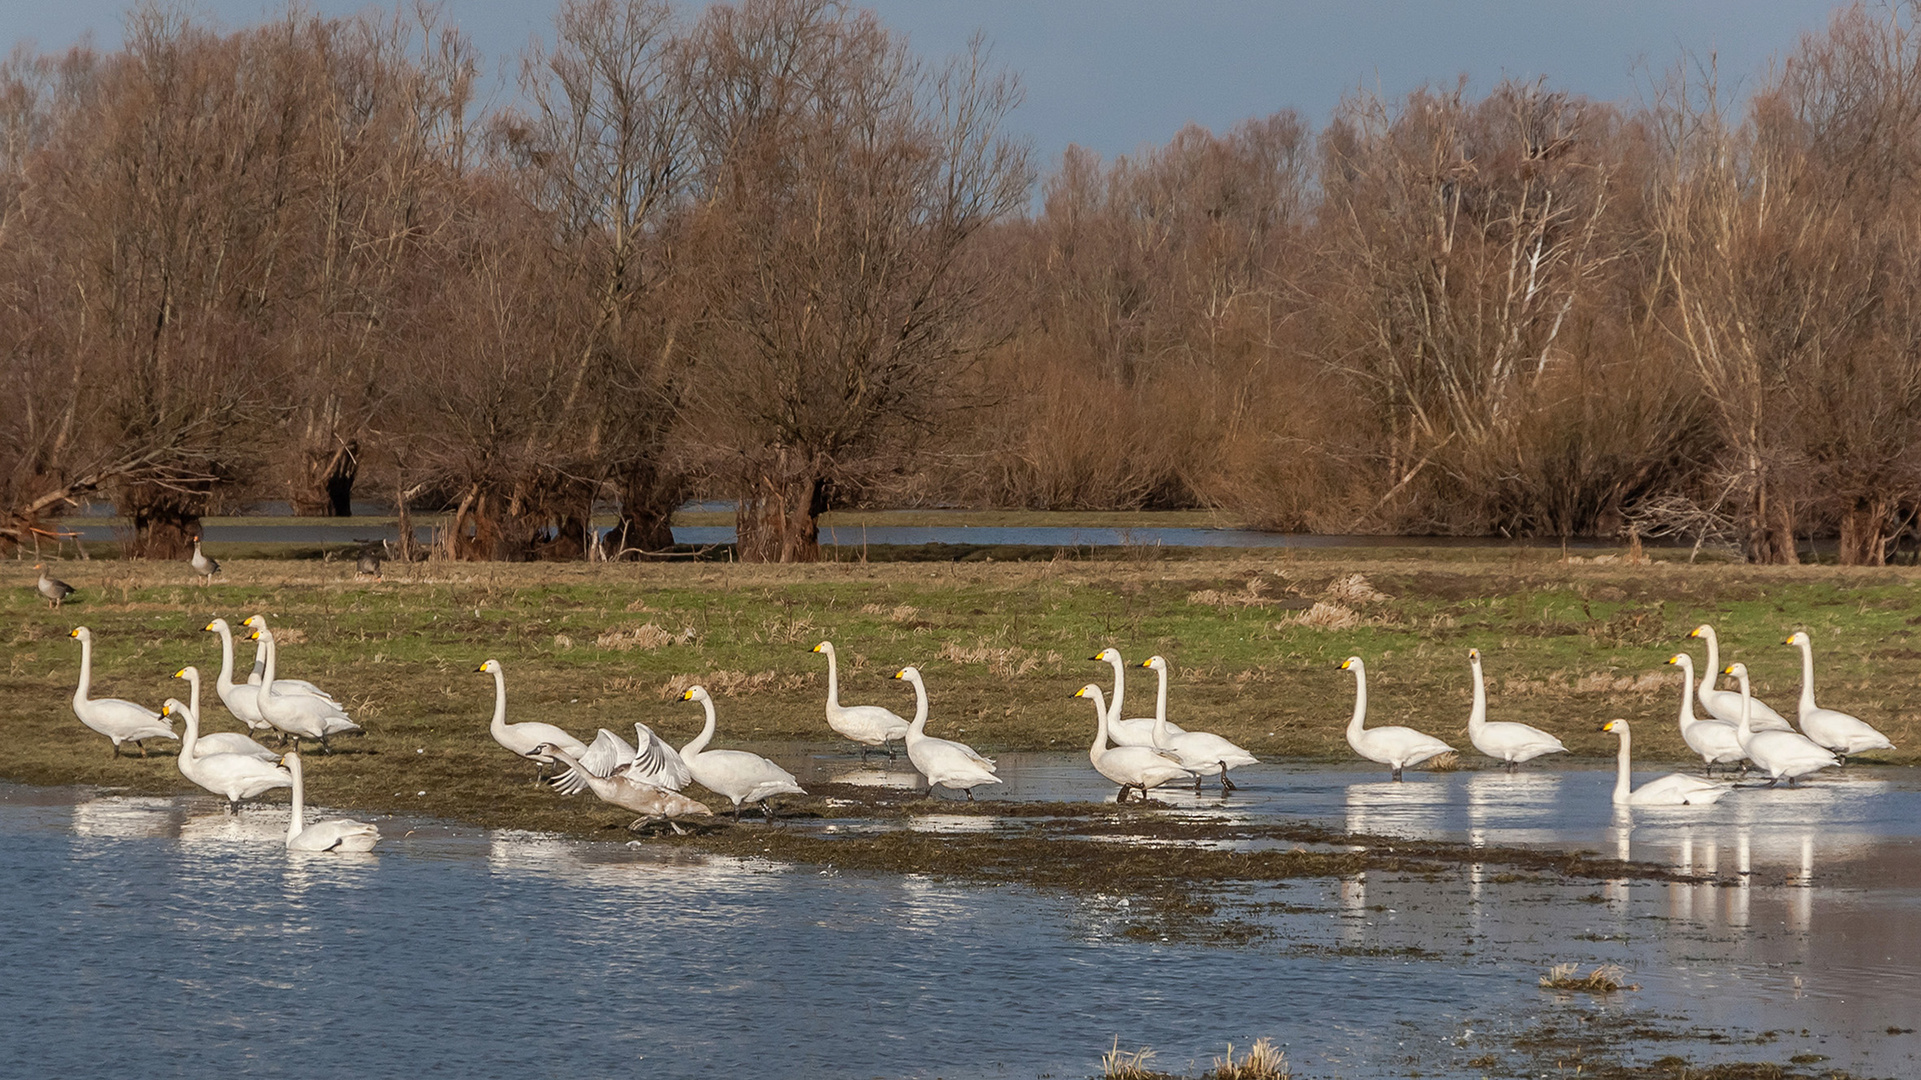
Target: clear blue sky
x=1115 y=74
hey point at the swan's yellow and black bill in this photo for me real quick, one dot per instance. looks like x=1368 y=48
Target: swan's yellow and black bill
x=181 y=674
x=901 y=674
x=1097 y=657
x=1729 y=670
x=1082 y=692
x=1694 y=633
x=686 y=695
x=255 y=636
x=820 y=647
x=482 y=667
x=74 y=633
x=1474 y=654
x=1789 y=641
x=167 y=709
x=209 y=626
x=1610 y=726
x=1149 y=662
x=1346 y=664
x=1675 y=659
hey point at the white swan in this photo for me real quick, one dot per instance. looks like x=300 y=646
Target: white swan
x=120 y=721
x=1674 y=789
x=303 y=716
x=1504 y=740
x=650 y=760
x=260 y=656
x=1828 y=728
x=1725 y=705
x=1139 y=767
x=624 y=789
x=1198 y=750
x=528 y=737
x=944 y=762
x=243 y=699
x=1778 y=753
x=334 y=834
x=233 y=776
x=220 y=742
x=869 y=725
x=1717 y=743
x=737 y=774
x=1135 y=730
x=1394 y=746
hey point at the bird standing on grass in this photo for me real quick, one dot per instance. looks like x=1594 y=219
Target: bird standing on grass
x=204 y=564
x=55 y=590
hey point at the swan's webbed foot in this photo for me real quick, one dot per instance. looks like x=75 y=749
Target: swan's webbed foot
x=767 y=810
x=1510 y=765
x=1396 y=774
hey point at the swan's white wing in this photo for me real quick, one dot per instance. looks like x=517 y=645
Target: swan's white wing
x=654 y=762
x=607 y=753
x=337 y=834
x=232 y=742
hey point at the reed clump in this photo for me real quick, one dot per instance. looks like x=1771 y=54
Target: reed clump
x=1603 y=979
x=1263 y=1061
x=1119 y=1064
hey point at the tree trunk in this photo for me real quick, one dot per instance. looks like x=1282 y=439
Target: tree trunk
x=1866 y=526
x=780 y=508
x=327 y=489
x=481 y=530
x=1771 y=532
x=648 y=499
x=165 y=521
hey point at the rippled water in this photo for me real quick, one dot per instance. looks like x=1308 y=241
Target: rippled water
x=165 y=937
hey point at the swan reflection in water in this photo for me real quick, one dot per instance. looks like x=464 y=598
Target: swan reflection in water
x=1514 y=808
x=118 y=817
x=877 y=778
x=1387 y=807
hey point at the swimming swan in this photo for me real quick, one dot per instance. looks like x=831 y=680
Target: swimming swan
x=737 y=774
x=1674 y=789
x=944 y=762
x=232 y=776
x=1504 y=740
x=1717 y=743
x=1198 y=750
x=1778 y=753
x=1134 y=731
x=1725 y=705
x=334 y=834
x=303 y=716
x=527 y=738
x=869 y=725
x=1140 y=767
x=1836 y=731
x=1394 y=746
x=626 y=790
x=120 y=721
x=220 y=742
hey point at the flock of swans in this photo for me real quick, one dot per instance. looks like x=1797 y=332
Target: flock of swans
x=648 y=776
x=1737 y=730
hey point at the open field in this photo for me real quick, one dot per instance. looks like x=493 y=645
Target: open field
x=1003 y=646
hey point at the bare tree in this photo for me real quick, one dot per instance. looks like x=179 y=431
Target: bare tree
x=843 y=184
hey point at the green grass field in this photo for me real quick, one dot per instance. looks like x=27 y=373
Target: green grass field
x=1003 y=647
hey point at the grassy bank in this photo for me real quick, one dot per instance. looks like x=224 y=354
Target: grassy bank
x=1254 y=643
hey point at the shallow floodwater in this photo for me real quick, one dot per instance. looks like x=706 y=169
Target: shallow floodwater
x=161 y=937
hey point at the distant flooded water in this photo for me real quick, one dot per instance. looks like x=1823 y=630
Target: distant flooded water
x=164 y=937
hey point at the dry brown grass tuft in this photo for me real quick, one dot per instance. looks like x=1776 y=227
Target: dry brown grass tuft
x=898 y=613
x=1323 y=616
x=1353 y=589
x=1253 y=594
x=1604 y=979
x=737 y=683
x=649 y=636
x=1263 y=1061
x=1008 y=662
x=1447 y=762
x=1118 y=1064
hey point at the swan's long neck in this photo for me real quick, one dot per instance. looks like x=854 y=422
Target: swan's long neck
x=1120 y=688
x=1744 y=732
x=259 y=661
x=1100 y=729
x=189 y=735
x=1160 y=708
x=1807 y=679
x=706 y=735
x=1687 y=691
x=1714 y=663
x=918 y=729
x=225 y=682
x=266 y=681
x=298 y=821
x=86 y=673
x=1360 y=703
x=833 y=680
x=193 y=693
x=499 y=726
x=1477 y=718
x=1622 y=784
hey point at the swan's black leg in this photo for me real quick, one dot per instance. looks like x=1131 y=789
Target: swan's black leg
x=1197 y=783
x=1226 y=784
x=1397 y=772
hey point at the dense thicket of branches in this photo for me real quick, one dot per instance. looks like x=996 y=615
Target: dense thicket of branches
x=765 y=252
